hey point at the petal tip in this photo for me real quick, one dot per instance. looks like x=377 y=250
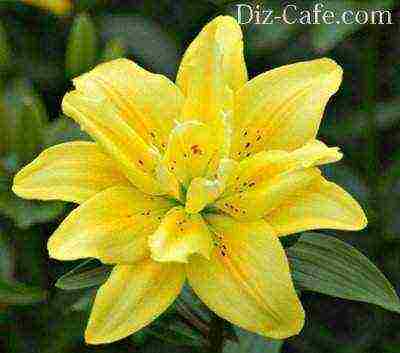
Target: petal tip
x=15 y=188
x=332 y=70
x=55 y=250
x=362 y=221
x=292 y=328
x=51 y=248
x=95 y=339
x=20 y=190
x=95 y=336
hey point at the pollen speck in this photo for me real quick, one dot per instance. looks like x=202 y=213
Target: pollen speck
x=196 y=149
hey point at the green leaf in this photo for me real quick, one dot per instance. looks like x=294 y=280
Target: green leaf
x=82 y=48
x=87 y=274
x=14 y=293
x=252 y=343
x=26 y=117
x=115 y=48
x=324 y=264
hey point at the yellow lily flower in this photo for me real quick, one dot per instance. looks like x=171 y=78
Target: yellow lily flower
x=195 y=180
x=59 y=7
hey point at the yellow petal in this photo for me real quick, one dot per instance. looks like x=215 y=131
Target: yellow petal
x=203 y=192
x=324 y=205
x=252 y=201
x=247 y=280
x=73 y=171
x=179 y=236
x=282 y=108
x=312 y=154
x=112 y=226
x=133 y=296
x=59 y=7
x=260 y=182
x=217 y=55
x=212 y=69
x=192 y=152
x=104 y=123
x=148 y=103
x=168 y=182
x=263 y=166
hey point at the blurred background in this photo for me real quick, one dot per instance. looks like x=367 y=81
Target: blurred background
x=41 y=48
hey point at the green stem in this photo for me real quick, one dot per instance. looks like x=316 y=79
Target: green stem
x=216 y=336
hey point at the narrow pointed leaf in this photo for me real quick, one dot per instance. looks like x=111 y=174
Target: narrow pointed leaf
x=324 y=264
x=87 y=274
x=115 y=48
x=82 y=46
x=25 y=117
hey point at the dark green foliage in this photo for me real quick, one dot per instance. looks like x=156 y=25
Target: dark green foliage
x=324 y=264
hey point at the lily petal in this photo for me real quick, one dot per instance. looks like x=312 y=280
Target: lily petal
x=282 y=108
x=148 y=103
x=104 y=123
x=263 y=166
x=72 y=171
x=264 y=180
x=112 y=226
x=179 y=236
x=324 y=205
x=217 y=50
x=168 y=182
x=247 y=280
x=192 y=152
x=133 y=296
x=211 y=70
x=255 y=200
